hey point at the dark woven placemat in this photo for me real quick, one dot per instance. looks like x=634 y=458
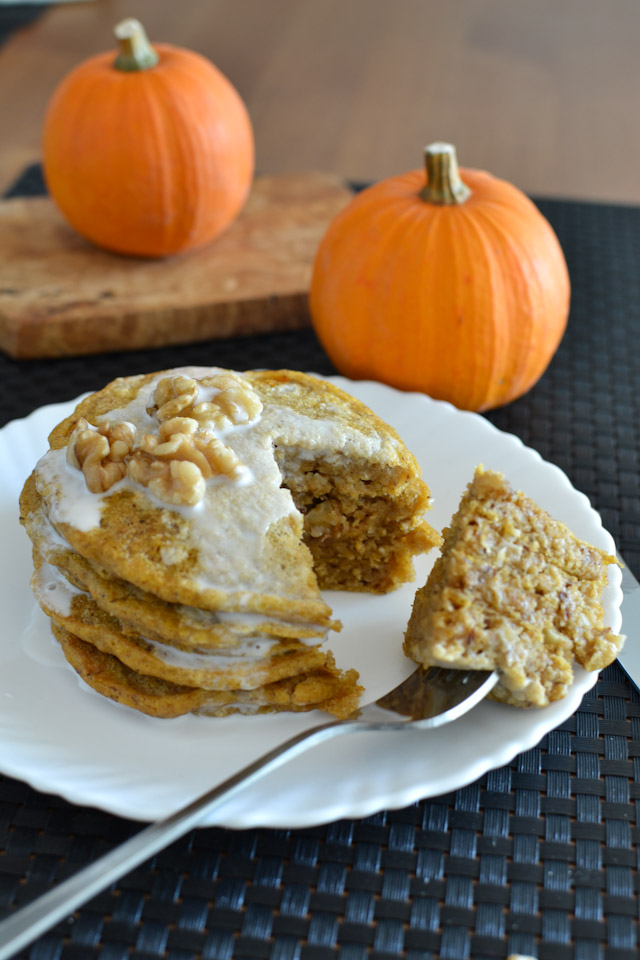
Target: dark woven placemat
x=14 y=16
x=538 y=857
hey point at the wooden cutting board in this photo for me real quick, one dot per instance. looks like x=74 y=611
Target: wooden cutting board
x=61 y=296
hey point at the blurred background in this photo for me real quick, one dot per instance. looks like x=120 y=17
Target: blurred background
x=541 y=92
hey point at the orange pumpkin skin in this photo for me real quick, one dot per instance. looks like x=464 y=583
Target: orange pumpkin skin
x=467 y=303
x=150 y=162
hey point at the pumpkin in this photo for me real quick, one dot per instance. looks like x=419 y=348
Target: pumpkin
x=149 y=152
x=456 y=287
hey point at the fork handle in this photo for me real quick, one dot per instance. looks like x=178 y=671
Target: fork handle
x=28 y=923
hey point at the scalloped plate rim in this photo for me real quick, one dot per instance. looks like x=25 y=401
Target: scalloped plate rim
x=125 y=801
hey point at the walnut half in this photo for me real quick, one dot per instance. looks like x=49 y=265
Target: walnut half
x=234 y=401
x=178 y=482
x=101 y=452
x=175 y=463
x=181 y=439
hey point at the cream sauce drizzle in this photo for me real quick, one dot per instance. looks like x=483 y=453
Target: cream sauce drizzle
x=56 y=594
x=50 y=544
x=53 y=591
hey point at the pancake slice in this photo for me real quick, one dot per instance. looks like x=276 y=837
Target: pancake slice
x=513 y=590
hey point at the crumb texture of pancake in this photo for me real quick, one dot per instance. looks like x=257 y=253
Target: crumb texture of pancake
x=185 y=522
x=516 y=591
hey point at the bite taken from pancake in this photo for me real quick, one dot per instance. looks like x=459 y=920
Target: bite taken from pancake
x=184 y=524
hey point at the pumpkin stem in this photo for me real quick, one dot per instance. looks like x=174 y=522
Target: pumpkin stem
x=136 y=53
x=443 y=185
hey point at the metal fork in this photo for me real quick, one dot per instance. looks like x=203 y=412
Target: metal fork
x=428 y=698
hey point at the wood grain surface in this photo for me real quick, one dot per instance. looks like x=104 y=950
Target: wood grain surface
x=59 y=295
x=541 y=92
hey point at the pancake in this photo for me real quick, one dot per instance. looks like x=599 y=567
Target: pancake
x=514 y=591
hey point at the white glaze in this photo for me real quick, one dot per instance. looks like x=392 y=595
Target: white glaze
x=55 y=595
x=50 y=543
x=53 y=591
x=68 y=498
x=249 y=649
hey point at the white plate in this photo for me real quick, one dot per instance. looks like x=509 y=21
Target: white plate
x=61 y=737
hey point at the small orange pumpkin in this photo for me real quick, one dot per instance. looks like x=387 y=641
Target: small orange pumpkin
x=457 y=288
x=149 y=152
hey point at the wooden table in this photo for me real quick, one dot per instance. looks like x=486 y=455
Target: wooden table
x=542 y=93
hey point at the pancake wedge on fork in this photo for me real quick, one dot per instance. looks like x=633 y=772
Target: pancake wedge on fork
x=516 y=591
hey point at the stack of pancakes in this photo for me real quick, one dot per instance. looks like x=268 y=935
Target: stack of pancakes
x=175 y=521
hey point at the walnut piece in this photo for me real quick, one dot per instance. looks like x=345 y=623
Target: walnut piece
x=175 y=463
x=100 y=452
x=173 y=396
x=210 y=455
x=178 y=482
x=235 y=401
x=221 y=460
x=323 y=519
